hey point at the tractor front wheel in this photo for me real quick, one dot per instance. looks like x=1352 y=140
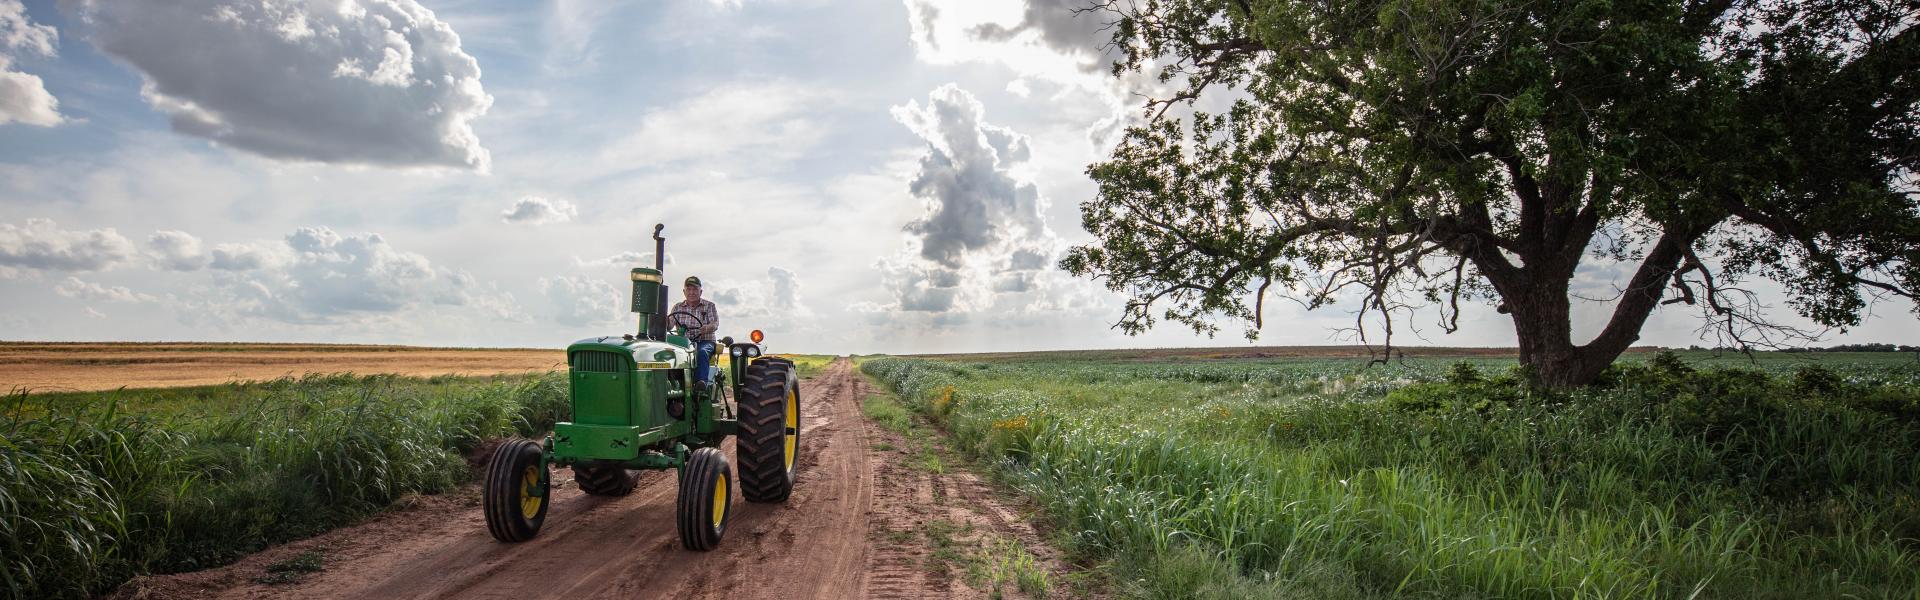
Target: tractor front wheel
x=706 y=494
x=769 y=444
x=515 y=494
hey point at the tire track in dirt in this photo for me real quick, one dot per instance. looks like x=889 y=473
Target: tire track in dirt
x=837 y=536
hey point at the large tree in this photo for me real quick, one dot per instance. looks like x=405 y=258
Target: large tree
x=1409 y=153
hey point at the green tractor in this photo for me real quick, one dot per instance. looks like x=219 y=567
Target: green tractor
x=637 y=405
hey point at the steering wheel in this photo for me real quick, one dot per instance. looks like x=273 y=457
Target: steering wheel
x=698 y=321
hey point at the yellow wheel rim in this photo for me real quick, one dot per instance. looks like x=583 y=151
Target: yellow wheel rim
x=793 y=425
x=719 y=501
x=529 y=488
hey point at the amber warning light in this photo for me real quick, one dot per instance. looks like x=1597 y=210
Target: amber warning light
x=757 y=336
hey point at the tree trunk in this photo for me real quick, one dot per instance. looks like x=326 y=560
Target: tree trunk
x=1542 y=319
x=1542 y=316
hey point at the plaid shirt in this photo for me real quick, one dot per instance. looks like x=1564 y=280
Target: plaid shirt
x=707 y=314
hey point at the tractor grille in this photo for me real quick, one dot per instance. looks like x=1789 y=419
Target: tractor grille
x=601 y=362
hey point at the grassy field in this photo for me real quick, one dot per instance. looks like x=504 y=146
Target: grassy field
x=1793 y=476
x=103 y=485
x=809 y=364
x=96 y=487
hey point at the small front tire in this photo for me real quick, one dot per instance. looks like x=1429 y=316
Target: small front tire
x=516 y=492
x=705 y=499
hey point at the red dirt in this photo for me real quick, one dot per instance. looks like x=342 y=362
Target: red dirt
x=837 y=536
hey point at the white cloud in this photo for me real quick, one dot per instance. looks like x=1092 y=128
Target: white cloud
x=318 y=276
x=73 y=287
x=1051 y=41
x=584 y=301
x=626 y=259
x=43 y=245
x=771 y=303
x=534 y=210
x=177 y=251
x=246 y=257
x=374 y=82
x=984 y=232
x=23 y=96
x=769 y=122
x=1044 y=39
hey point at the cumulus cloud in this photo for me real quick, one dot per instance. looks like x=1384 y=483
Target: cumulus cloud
x=177 y=251
x=1067 y=26
x=584 y=301
x=23 y=96
x=334 y=274
x=772 y=303
x=244 y=257
x=374 y=82
x=43 y=245
x=534 y=210
x=983 y=231
x=1045 y=39
x=318 y=276
x=74 y=288
x=1042 y=41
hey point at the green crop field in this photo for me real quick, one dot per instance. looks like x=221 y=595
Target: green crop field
x=1691 y=475
x=809 y=364
x=97 y=487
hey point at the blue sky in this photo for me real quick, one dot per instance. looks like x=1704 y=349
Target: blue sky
x=484 y=172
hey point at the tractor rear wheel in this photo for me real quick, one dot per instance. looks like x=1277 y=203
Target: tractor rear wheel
x=514 y=495
x=603 y=479
x=706 y=493
x=769 y=444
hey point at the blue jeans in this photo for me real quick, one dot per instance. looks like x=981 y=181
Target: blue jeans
x=703 y=355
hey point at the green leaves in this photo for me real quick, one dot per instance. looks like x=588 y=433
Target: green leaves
x=1414 y=152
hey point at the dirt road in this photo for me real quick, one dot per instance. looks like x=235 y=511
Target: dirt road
x=854 y=528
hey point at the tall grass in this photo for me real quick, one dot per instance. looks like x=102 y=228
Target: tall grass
x=1307 y=479
x=95 y=491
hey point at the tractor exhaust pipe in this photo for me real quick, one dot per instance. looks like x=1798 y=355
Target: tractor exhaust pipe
x=660 y=266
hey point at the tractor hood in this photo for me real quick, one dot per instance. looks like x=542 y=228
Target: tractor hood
x=648 y=354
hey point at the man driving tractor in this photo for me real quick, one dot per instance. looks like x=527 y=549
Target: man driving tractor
x=701 y=320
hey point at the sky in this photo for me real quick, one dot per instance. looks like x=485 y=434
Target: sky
x=849 y=176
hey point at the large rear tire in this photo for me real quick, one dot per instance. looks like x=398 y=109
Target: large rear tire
x=603 y=479
x=706 y=495
x=769 y=444
x=515 y=493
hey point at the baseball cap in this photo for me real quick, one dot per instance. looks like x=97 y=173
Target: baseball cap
x=693 y=281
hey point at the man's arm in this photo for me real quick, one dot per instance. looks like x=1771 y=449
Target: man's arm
x=713 y=320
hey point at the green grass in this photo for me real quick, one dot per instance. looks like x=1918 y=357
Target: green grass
x=888 y=412
x=1006 y=562
x=97 y=489
x=293 y=569
x=885 y=408
x=1322 y=479
x=809 y=364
